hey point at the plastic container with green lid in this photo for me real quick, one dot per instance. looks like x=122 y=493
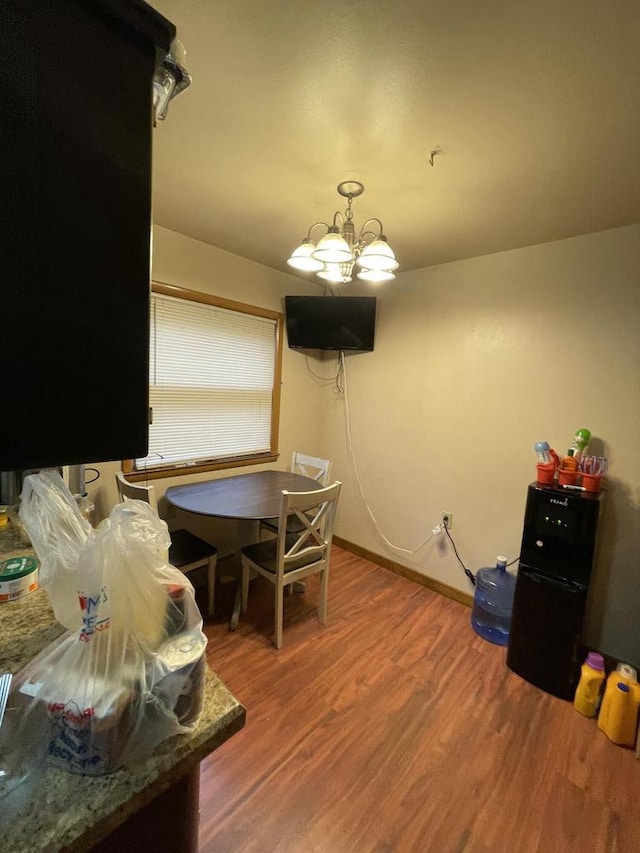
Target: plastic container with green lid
x=18 y=577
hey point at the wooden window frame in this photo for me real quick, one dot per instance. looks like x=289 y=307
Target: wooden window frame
x=180 y=469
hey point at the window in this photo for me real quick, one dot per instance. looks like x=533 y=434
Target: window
x=214 y=383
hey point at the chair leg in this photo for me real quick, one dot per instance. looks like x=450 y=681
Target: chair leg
x=211 y=583
x=245 y=585
x=324 y=589
x=279 y=613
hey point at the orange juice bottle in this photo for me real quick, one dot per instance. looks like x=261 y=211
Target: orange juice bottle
x=568 y=471
x=569 y=462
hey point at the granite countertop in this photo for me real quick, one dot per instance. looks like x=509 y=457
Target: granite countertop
x=54 y=810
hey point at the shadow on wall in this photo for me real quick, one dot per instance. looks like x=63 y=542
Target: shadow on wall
x=612 y=623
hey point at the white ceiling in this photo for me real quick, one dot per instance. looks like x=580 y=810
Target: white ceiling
x=534 y=105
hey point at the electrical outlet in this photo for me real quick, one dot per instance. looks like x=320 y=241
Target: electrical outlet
x=447 y=520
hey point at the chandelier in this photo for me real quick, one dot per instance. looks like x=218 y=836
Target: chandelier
x=337 y=253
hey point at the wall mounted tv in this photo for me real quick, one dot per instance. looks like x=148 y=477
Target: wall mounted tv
x=331 y=322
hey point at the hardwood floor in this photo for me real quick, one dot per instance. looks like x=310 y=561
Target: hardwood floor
x=396 y=728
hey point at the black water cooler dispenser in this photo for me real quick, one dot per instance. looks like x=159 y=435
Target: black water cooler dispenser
x=556 y=559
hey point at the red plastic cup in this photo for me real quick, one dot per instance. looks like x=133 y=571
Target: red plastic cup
x=545 y=473
x=567 y=477
x=591 y=482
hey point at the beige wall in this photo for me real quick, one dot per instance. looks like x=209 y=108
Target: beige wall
x=474 y=362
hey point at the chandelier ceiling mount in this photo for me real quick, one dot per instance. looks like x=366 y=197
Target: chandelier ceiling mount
x=350 y=189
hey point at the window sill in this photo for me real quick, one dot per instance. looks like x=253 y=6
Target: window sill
x=183 y=470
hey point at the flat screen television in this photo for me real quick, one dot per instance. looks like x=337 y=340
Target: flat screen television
x=331 y=322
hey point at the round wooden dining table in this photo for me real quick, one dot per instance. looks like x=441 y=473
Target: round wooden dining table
x=245 y=498
x=251 y=496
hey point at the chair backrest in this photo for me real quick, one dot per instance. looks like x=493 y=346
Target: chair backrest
x=316 y=512
x=136 y=491
x=311 y=466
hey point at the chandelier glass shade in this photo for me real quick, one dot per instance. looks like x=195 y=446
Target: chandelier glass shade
x=302 y=258
x=340 y=250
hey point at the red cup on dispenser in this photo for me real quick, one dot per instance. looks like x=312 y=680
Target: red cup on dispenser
x=591 y=482
x=567 y=477
x=545 y=473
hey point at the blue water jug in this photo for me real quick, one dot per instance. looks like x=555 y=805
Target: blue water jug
x=493 y=603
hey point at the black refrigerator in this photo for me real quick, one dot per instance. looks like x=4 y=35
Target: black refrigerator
x=556 y=561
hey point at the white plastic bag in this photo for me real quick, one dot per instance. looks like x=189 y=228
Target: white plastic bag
x=58 y=531
x=131 y=670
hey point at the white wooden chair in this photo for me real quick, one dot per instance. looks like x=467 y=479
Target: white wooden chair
x=290 y=557
x=187 y=551
x=309 y=466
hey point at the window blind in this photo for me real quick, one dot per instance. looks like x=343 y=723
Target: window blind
x=210 y=383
